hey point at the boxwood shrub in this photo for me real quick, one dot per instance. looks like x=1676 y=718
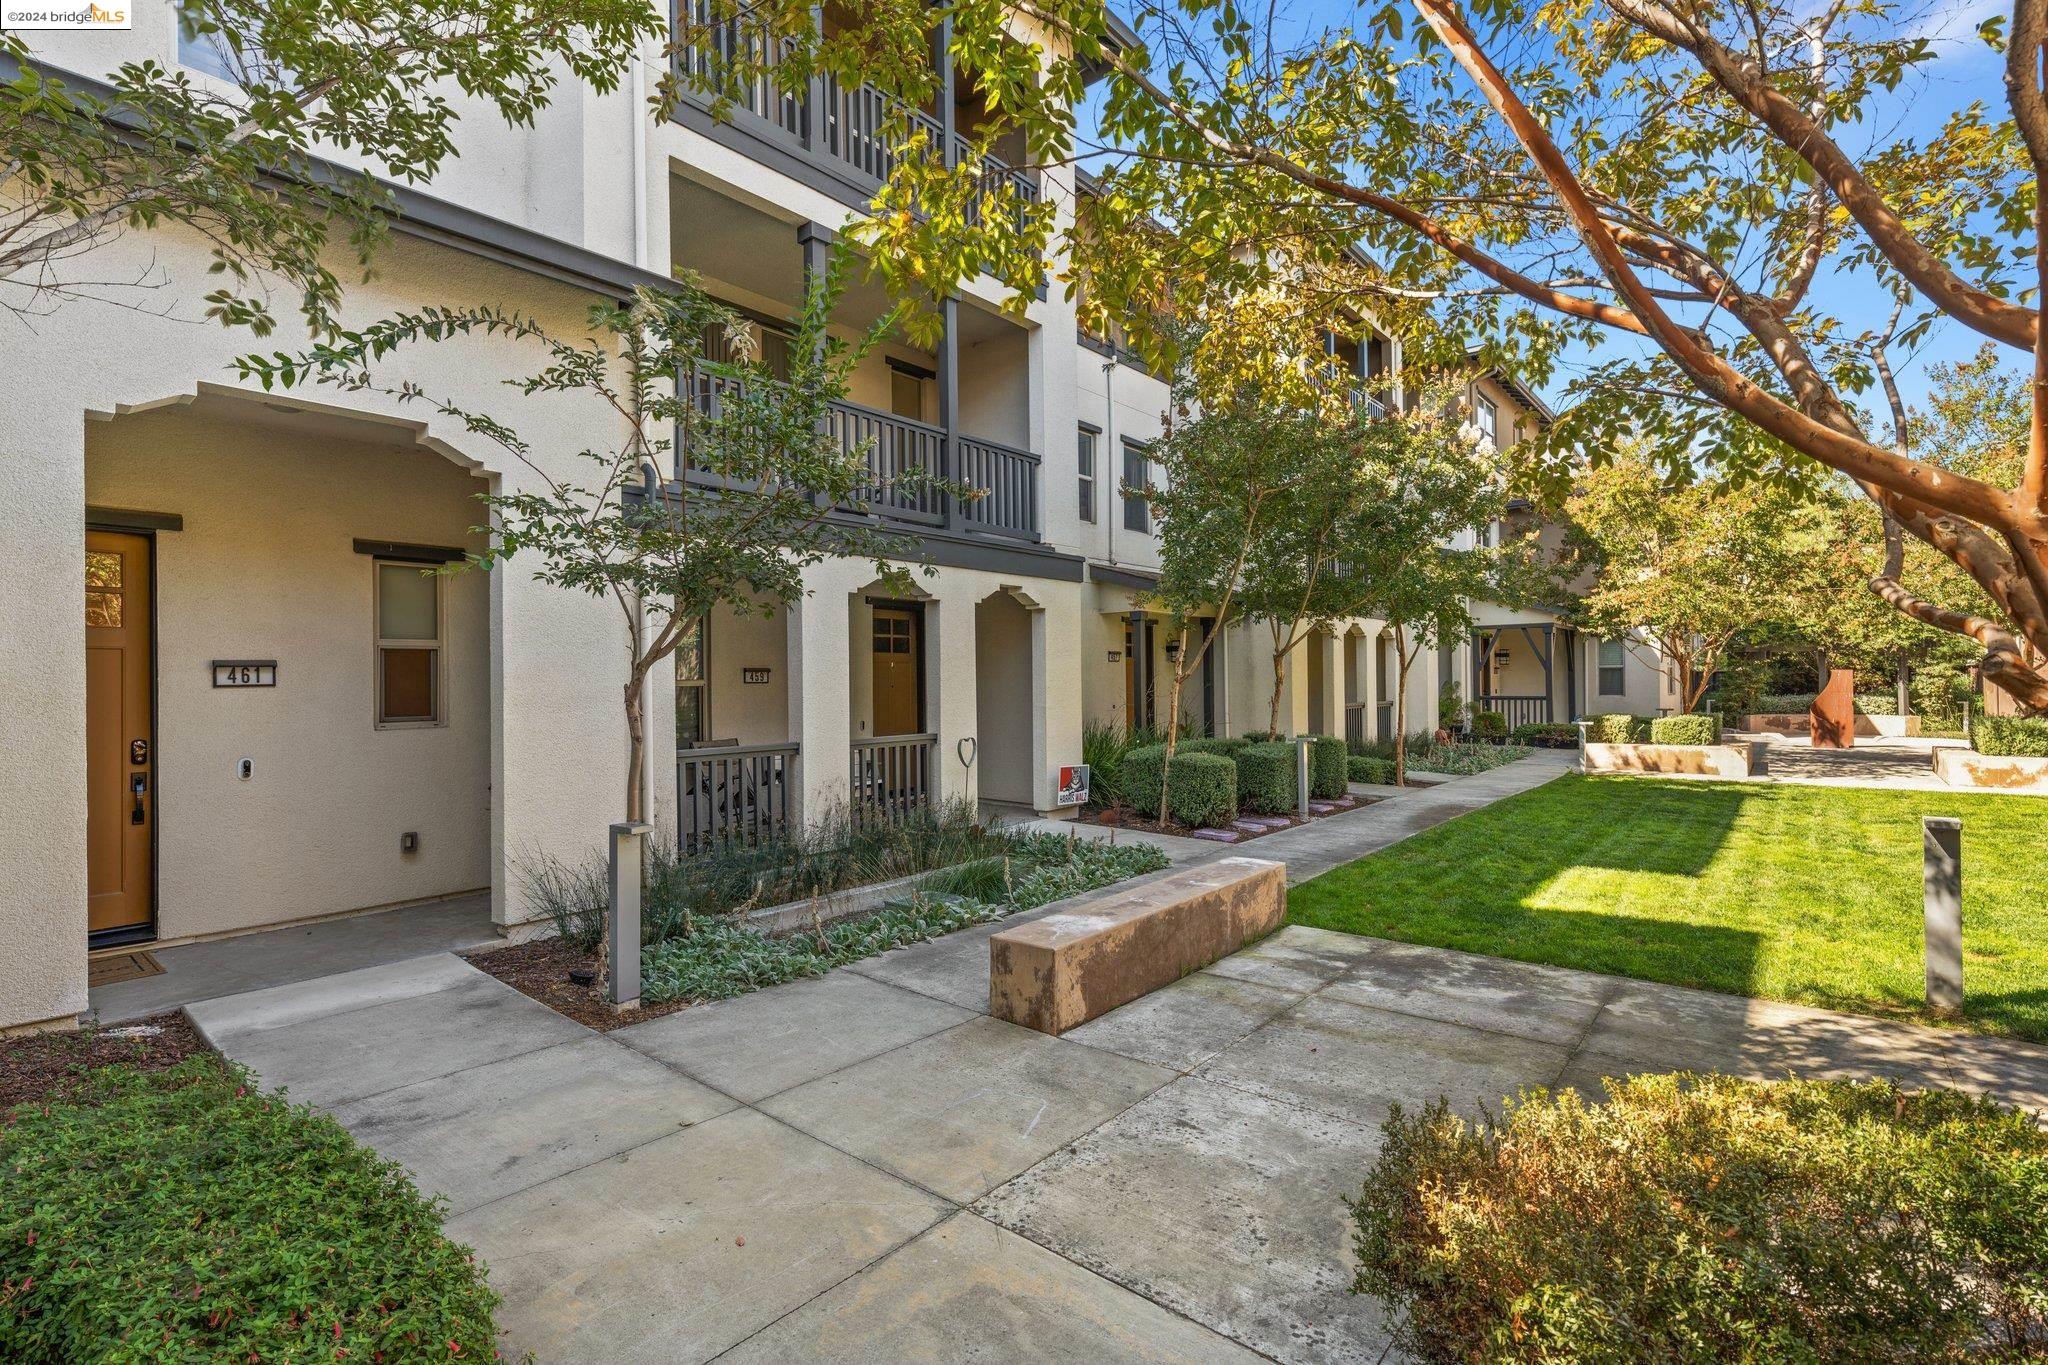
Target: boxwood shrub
x=1327 y=773
x=1618 y=727
x=1686 y=730
x=1489 y=725
x=1203 y=791
x=1708 y=1218
x=2010 y=736
x=183 y=1214
x=1369 y=768
x=1229 y=748
x=1265 y=777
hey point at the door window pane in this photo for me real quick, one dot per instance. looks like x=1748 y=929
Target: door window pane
x=103 y=589
x=406 y=603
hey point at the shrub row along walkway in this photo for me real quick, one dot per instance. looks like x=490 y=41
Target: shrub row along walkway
x=865 y=1166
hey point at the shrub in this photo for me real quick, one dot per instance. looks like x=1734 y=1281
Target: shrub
x=184 y=1213
x=1546 y=734
x=1685 y=730
x=1138 y=778
x=1489 y=724
x=1265 y=777
x=1229 y=748
x=1709 y=1218
x=574 y=898
x=1367 y=768
x=2010 y=736
x=1103 y=747
x=1203 y=791
x=1941 y=695
x=1450 y=706
x=1618 y=727
x=1462 y=760
x=1327 y=773
x=1798 y=703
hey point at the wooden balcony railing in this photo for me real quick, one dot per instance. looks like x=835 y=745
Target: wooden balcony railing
x=1519 y=709
x=896 y=446
x=739 y=793
x=891 y=777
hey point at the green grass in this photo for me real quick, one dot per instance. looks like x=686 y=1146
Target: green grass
x=1796 y=893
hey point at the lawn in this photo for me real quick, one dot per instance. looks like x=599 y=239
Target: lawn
x=1794 y=893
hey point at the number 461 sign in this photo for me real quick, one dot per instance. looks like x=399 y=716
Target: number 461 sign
x=245 y=672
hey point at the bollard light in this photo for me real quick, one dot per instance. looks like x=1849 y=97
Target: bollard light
x=1941 y=878
x=622 y=985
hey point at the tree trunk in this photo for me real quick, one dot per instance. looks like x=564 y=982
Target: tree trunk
x=1279 y=684
x=1400 y=705
x=1172 y=726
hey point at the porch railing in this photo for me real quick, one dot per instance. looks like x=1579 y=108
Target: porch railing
x=897 y=446
x=1519 y=709
x=1385 y=726
x=1354 y=723
x=738 y=794
x=891 y=776
x=1010 y=507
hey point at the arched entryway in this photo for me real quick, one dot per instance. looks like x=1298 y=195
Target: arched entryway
x=1006 y=703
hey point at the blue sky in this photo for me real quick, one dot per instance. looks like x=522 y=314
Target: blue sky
x=1963 y=69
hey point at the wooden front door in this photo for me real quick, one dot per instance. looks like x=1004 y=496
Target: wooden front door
x=120 y=736
x=898 y=671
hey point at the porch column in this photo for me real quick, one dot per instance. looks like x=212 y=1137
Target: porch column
x=820 y=665
x=950 y=710
x=1331 y=722
x=815 y=241
x=1057 y=628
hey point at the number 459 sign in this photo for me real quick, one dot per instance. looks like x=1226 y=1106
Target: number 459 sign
x=245 y=672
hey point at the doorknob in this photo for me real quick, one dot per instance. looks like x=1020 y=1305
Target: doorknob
x=138 y=783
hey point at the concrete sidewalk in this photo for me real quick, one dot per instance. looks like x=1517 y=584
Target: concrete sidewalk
x=866 y=1167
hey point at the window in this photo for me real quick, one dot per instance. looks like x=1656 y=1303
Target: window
x=693 y=693
x=1084 y=459
x=1137 y=482
x=208 y=53
x=408 y=644
x=1486 y=416
x=1613 y=672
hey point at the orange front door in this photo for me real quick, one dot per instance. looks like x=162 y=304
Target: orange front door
x=120 y=739
x=898 y=669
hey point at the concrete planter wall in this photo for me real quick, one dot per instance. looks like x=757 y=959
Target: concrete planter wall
x=1799 y=723
x=1968 y=768
x=1702 y=760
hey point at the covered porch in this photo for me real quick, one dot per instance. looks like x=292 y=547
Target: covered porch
x=1526 y=670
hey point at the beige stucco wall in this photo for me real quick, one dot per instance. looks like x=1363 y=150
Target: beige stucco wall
x=265 y=569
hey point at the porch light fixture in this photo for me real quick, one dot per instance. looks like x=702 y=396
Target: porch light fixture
x=1172 y=650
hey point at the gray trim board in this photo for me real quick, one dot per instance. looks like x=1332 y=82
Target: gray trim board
x=1121 y=577
x=129 y=519
x=412 y=554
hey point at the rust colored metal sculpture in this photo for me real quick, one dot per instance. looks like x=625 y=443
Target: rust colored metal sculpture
x=1834 y=712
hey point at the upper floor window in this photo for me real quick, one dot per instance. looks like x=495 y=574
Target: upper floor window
x=1613 y=669
x=1137 y=483
x=1486 y=416
x=1084 y=460
x=208 y=53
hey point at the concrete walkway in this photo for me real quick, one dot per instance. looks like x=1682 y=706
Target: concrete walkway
x=867 y=1167
x=1901 y=764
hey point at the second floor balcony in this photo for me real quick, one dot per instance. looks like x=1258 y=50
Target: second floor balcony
x=858 y=134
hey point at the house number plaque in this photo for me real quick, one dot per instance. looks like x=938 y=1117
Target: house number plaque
x=245 y=672
x=753 y=675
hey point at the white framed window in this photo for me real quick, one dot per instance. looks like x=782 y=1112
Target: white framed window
x=1486 y=416
x=1084 y=462
x=693 y=692
x=408 y=620
x=1613 y=669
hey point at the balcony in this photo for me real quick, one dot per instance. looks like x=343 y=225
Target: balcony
x=844 y=130
x=1006 y=477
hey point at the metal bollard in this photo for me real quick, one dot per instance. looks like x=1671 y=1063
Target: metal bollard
x=1941 y=881
x=622 y=987
x=1302 y=744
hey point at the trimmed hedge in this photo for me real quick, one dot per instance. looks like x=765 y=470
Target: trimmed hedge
x=1229 y=748
x=1489 y=725
x=1699 y=1218
x=1546 y=734
x=1618 y=727
x=1795 y=703
x=1367 y=768
x=1704 y=729
x=184 y=1214
x=2010 y=736
x=1265 y=777
x=1327 y=773
x=1203 y=791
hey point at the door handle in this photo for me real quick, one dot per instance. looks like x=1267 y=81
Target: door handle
x=138 y=783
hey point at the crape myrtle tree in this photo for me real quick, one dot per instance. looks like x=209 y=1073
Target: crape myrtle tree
x=1409 y=546
x=1669 y=175
x=1248 y=458
x=767 y=476
x=233 y=160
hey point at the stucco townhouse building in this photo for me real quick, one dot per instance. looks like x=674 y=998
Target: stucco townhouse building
x=233 y=701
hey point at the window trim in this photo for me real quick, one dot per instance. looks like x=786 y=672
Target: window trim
x=1619 y=668
x=1490 y=428
x=1137 y=505
x=1089 y=435
x=438 y=646
x=702 y=682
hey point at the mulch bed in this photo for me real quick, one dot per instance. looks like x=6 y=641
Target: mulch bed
x=1126 y=820
x=39 y=1067
x=539 y=969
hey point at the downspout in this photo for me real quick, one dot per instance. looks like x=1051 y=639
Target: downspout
x=639 y=97
x=1109 y=445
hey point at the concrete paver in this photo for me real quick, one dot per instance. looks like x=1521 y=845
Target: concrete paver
x=971 y=1291
x=1187 y=1023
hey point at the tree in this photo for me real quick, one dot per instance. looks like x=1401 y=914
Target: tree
x=773 y=478
x=1664 y=174
x=1241 y=457
x=1407 y=546
x=1686 y=570
x=233 y=161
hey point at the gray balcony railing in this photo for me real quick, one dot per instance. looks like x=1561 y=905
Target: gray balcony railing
x=1519 y=709
x=890 y=777
x=897 y=446
x=738 y=793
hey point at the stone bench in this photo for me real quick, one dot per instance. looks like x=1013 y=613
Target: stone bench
x=1059 y=972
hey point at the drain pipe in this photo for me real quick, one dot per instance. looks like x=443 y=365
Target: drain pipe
x=1109 y=442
